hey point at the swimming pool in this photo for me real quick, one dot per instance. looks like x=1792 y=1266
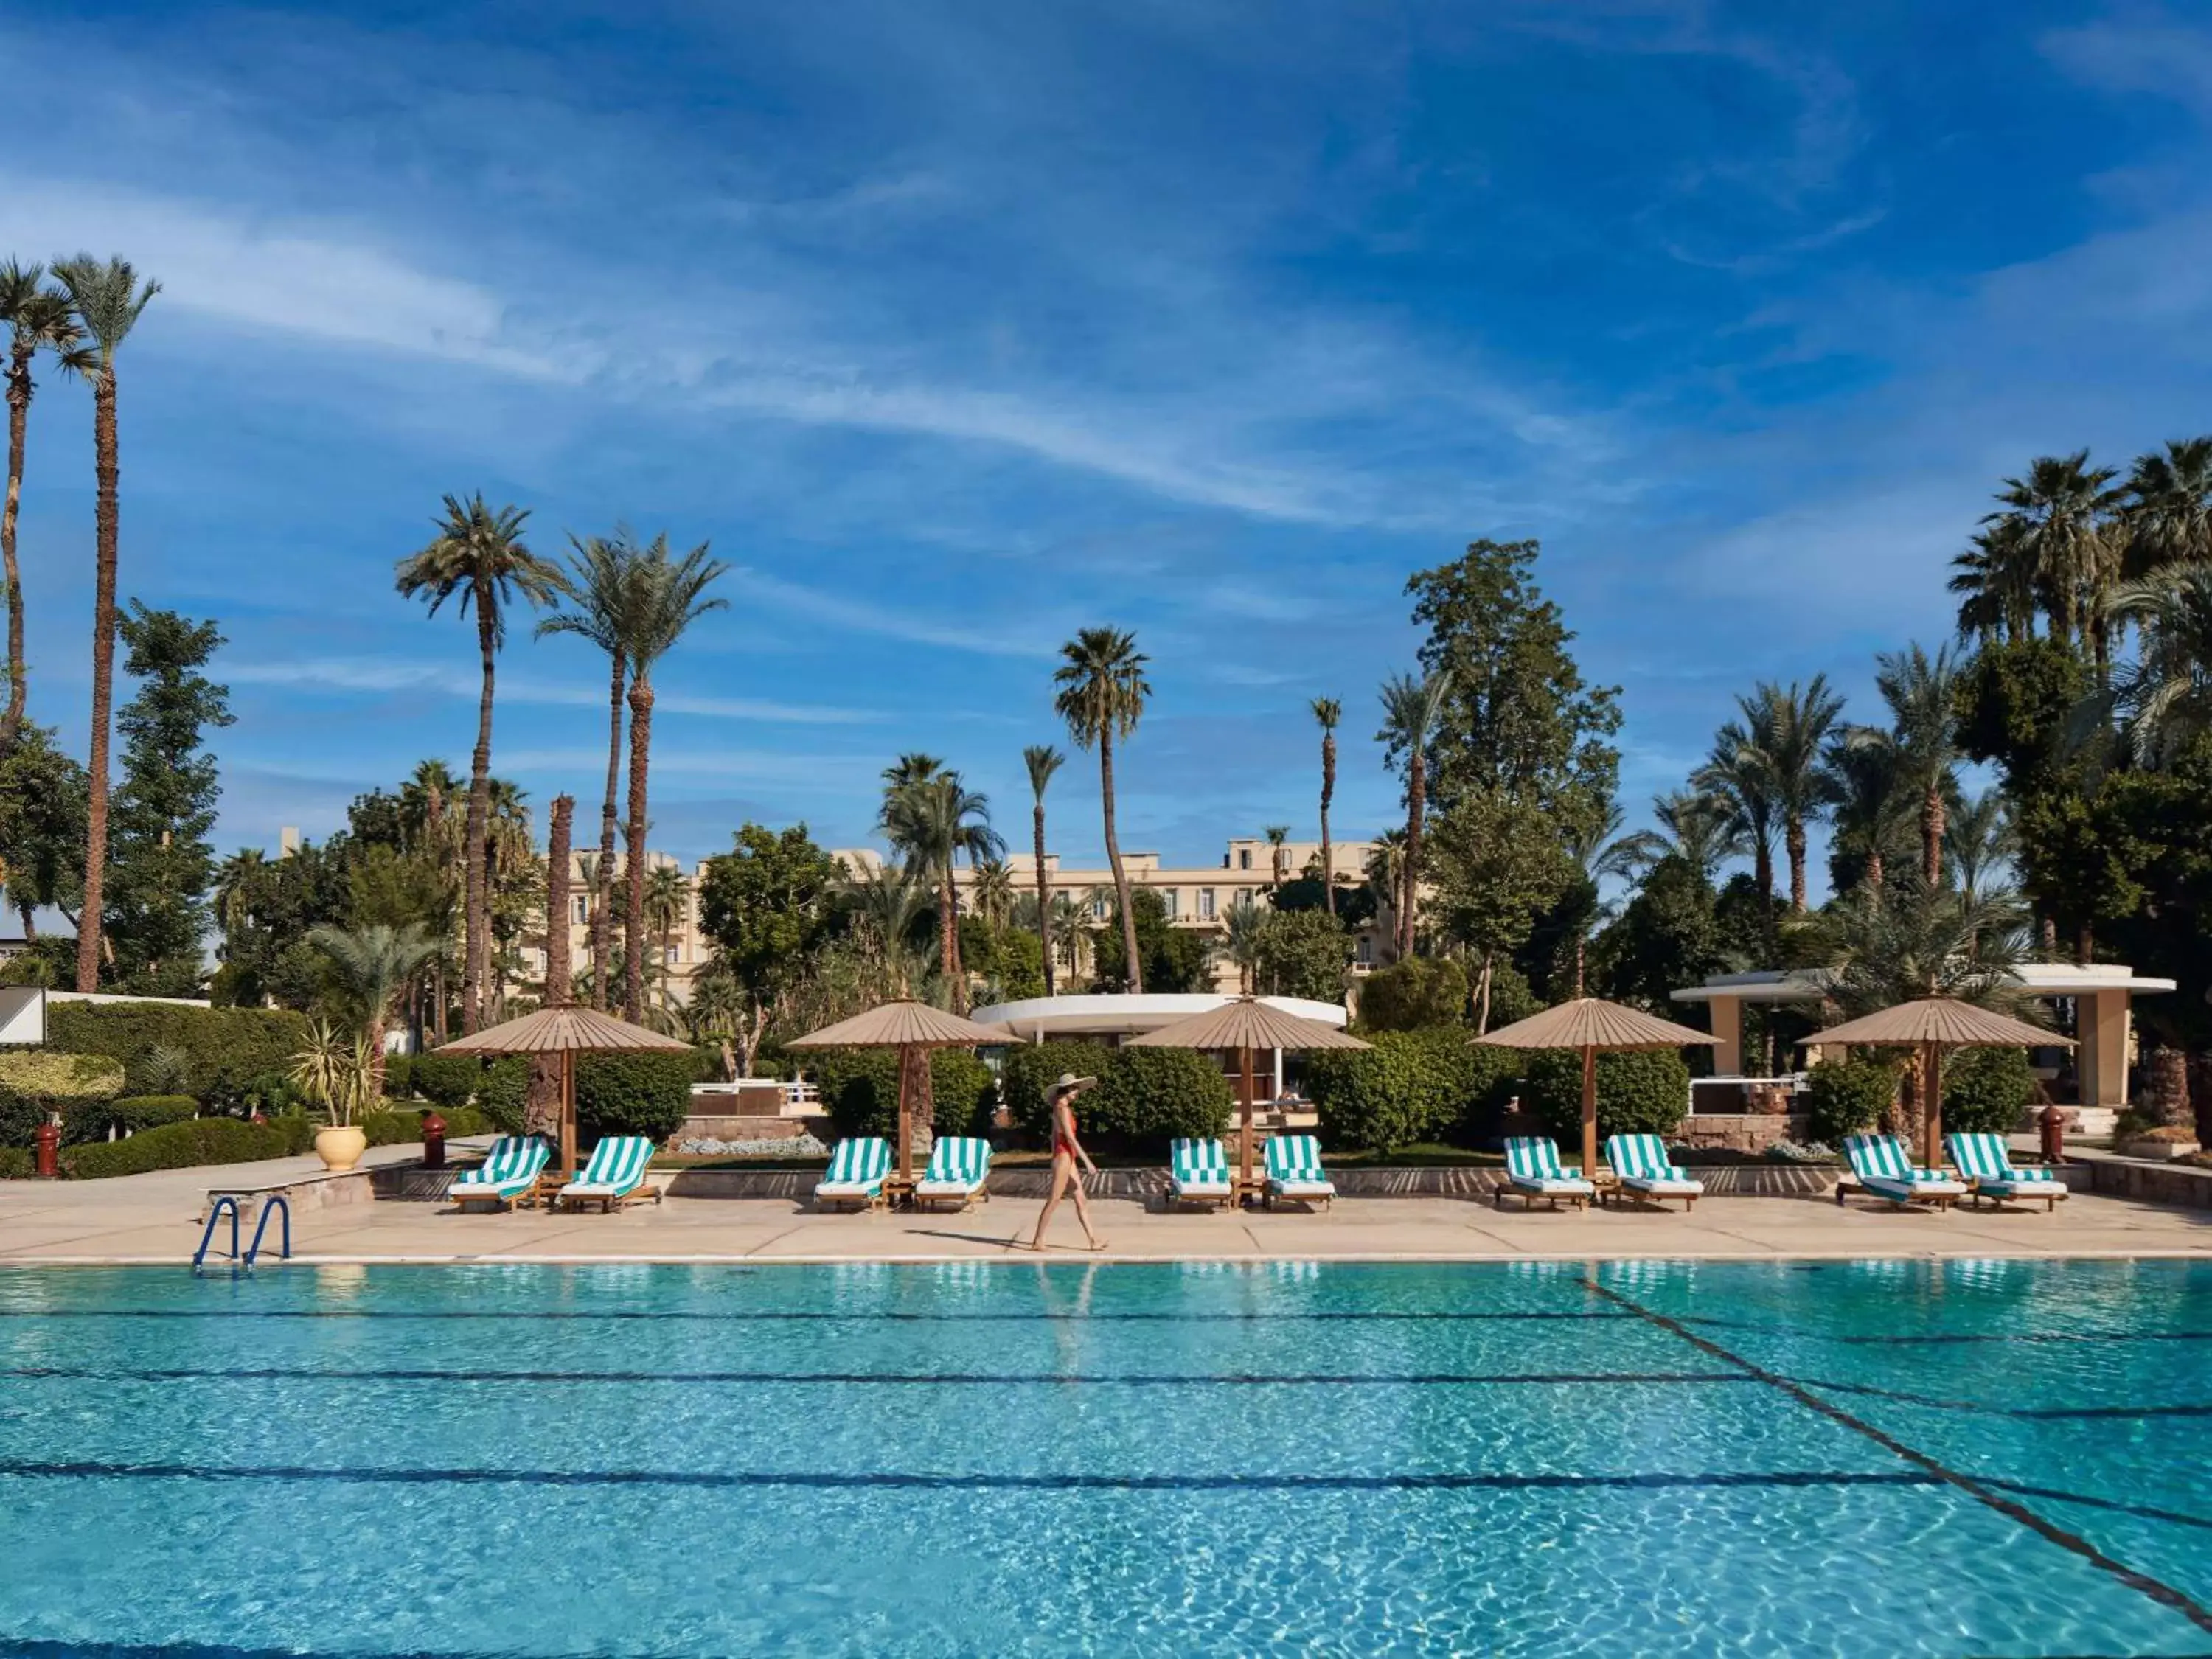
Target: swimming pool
x=1852 y=1457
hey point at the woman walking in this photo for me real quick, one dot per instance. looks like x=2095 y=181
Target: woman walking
x=1066 y=1149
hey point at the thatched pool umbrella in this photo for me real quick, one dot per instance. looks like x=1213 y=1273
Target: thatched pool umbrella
x=1238 y=1027
x=567 y=1032
x=1930 y=1025
x=1590 y=1024
x=908 y=1026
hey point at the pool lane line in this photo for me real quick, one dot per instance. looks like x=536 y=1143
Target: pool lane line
x=2030 y=1413
x=1981 y=1491
x=1945 y=1338
x=2143 y=1511
x=813 y=1316
x=1449 y=1480
x=995 y=1379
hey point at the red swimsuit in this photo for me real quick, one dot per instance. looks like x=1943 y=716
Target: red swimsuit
x=1063 y=1140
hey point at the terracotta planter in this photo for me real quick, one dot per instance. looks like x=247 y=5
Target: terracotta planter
x=2156 y=1151
x=340 y=1149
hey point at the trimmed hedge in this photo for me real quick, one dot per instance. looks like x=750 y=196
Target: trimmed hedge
x=640 y=1094
x=1638 y=1093
x=1843 y=1097
x=1414 y=995
x=225 y=1049
x=398 y=1127
x=860 y=1090
x=16 y=1164
x=1986 y=1090
x=399 y=1076
x=500 y=1089
x=34 y=1082
x=1146 y=1097
x=93 y=1119
x=1028 y=1072
x=1409 y=1086
x=184 y=1145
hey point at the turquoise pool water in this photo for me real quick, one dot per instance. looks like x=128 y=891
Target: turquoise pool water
x=1854 y=1458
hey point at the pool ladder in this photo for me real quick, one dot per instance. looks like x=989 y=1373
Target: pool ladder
x=275 y=1204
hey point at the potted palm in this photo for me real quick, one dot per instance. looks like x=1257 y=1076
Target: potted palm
x=334 y=1072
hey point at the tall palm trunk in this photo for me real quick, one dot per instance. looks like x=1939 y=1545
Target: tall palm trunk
x=1416 y=791
x=1762 y=866
x=1874 y=865
x=641 y=749
x=19 y=415
x=1328 y=794
x=603 y=909
x=1044 y=898
x=103 y=678
x=1135 y=972
x=1793 y=839
x=948 y=937
x=559 y=972
x=476 y=911
x=1931 y=837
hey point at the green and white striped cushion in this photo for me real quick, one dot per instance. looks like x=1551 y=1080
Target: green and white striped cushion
x=858 y=1166
x=1641 y=1158
x=1880 y=1162
x=957 y=1162
x=1534 y=1161
x=1988 y=1160
x=512 y=1165
x=1195 y=1164
x=617 y=1165
x=1295 y=1161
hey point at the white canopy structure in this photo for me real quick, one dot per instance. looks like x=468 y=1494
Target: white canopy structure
x=1107 y=1018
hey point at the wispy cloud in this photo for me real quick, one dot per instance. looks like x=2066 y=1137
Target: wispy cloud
x=387 y=675
x=861 y=617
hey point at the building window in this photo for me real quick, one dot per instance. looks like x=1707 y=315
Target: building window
x=1098 y=909
x=1206 y=904
x=583 y=911
x=670 y=955
x=1365 y=954
x=1243 y=858
x=1168 y=897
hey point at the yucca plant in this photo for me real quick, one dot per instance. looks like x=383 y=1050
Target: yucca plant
x=335 y=1072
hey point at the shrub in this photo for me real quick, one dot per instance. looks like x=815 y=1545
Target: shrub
x=399 y=1076
x=36 y=1081
x=1146 y=1097
x=1414 y=994
x=398 y=1128
x=498 y=1088
x=224 y=1050
x=1986 y=1090
x=1843 y=1097
x=94 y=1119
x=860 y=1090
x=1638 y=1093
x=16 y=1164
x=638 y=1094
x=183 y=1145
x=1409 y=1086
x=1028 y=1072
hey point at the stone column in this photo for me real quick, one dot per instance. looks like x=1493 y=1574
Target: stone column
x=1727 y=1025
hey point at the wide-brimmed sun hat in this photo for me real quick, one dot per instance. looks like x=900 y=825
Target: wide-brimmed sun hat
x=1067 y=1080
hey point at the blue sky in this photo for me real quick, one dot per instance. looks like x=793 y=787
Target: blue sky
x=959 y=327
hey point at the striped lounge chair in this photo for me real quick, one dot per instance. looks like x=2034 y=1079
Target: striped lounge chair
x=1881 y=1170
x=957 y=1166
x=1644 y=1169
x=509 y=1175
x=1294 y=1171
x=1198 y=1173
x=1986 y=1162
x=615 y=1176
x=857 y=1171
x=1532 y=1169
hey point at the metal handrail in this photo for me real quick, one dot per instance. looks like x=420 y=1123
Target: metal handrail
x=276 y=1203
x=207 y=1235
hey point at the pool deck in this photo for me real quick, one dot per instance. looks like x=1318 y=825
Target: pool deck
x=153 y=1219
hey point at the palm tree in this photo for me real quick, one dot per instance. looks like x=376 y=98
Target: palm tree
x=2061 y=512
x=912 y=766
x=1699 y=829
x=107 y=299
x=1787 y=730
x=1327 y=711
x=599 y=587
x=2166 y=512
x=670 y=596
x=1922 y=692
x=1873 y=814
x=374 y=966
x=1102 y=691
x=1278 y=860
x=1386 y=880
x=238 y=886
x=1980 y=841
x=1737 y=772
x=887 y=906
x=1996 y=580
x=1411 y=707
x=1603 y=853
x=1068 y=927
x=931 y=822
x=994 y=890
x=1042 y=760
x=36 y=319
x=2164 y=699
x=667 y=895
x=478 y=554
x=1244 y=930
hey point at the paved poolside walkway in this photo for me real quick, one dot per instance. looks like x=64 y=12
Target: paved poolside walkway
x=152 y=1217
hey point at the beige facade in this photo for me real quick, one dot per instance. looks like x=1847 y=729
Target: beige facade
x=683 y=950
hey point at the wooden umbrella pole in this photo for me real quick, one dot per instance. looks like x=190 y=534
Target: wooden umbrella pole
x=1931 y=1114
x=1244 y=1153
x=567 y=1112
x=905 y=1160
x=1590 y=1112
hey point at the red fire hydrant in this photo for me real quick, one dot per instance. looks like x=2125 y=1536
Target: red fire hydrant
x=433 y=1142
x=49 y=1143
x=2052 y=1123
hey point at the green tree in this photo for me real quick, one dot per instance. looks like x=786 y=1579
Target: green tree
x=43 y=794
x=108 y=300
x=1327 y=712
x=1874 y=818
x=1667 y=936
x=1922 y=695
x=1979 y=843
x=1170 y=958
x=371 y=968
x=1412 y=994
x=1042 y=760
x=598 y=594
x=2058 y=518
x=931 y=822
x=1500 y=864
x=768 y=905
x=1102 y=696
x=36 y=319
x=1736 y=772
x=1244 y=927
x=671 y=594
x=162 y=865
x=1789 y=727
x=1301 y=953
x=1411 y=709
x=2165 y=509
x=2163 y=699
x=478 y=556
